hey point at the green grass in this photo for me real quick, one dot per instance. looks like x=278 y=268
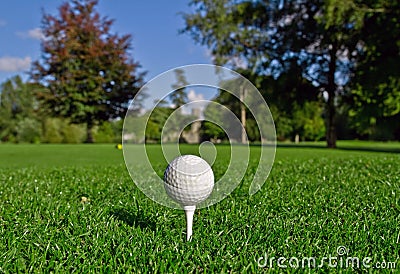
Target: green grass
x=74 y=208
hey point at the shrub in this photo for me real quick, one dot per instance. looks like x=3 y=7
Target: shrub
x=28 y=130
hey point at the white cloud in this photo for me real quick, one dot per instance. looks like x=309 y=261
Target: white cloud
x=196 y=102
x=35 y=33
x=2 y=23
x=14 y=64
x=193 y=96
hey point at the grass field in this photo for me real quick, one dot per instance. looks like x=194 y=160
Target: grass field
x=74 y=208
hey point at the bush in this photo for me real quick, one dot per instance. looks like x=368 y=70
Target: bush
x=73 y=133
x=52 y=131
x=28 y=130
x=308 y=121
x=56 y=130
x=104 y=133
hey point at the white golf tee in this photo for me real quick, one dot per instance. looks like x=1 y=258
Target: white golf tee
x=189 y=212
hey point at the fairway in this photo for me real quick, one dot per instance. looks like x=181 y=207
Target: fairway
x=74 y=208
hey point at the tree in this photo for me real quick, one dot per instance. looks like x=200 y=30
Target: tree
x=179 y=97
x=270 y=36
x=88 y=72
x=17 y=108
x=156 y=122
x=290 y=90
x=214 y=130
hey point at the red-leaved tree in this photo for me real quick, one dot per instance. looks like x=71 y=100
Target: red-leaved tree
x=87 y=72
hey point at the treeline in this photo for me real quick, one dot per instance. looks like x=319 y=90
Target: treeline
x=23 y=120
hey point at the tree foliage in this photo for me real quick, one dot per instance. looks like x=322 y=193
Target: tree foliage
x=87 y=70
x=179 y=97
x=375 y=97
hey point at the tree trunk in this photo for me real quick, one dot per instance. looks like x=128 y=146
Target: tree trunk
x=89 y=132
x=331 y=110
x=331 y=127
x=243 y=115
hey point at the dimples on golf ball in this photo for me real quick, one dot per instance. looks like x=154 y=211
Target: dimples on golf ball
x=188 y=180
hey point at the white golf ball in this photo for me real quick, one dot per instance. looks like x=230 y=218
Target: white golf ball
x=188 y=180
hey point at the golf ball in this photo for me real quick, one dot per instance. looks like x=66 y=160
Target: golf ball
x=188 y=180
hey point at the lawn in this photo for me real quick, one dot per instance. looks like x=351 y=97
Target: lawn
x=74 y=208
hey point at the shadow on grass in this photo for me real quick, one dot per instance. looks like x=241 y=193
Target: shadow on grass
x=136 y=219
x=344 y=147
x=372 y=149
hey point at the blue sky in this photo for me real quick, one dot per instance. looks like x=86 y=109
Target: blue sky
x=154 y=25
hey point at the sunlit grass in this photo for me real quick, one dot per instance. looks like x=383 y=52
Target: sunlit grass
x=75 y=208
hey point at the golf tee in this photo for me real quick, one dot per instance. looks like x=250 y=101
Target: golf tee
x=189 y=212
